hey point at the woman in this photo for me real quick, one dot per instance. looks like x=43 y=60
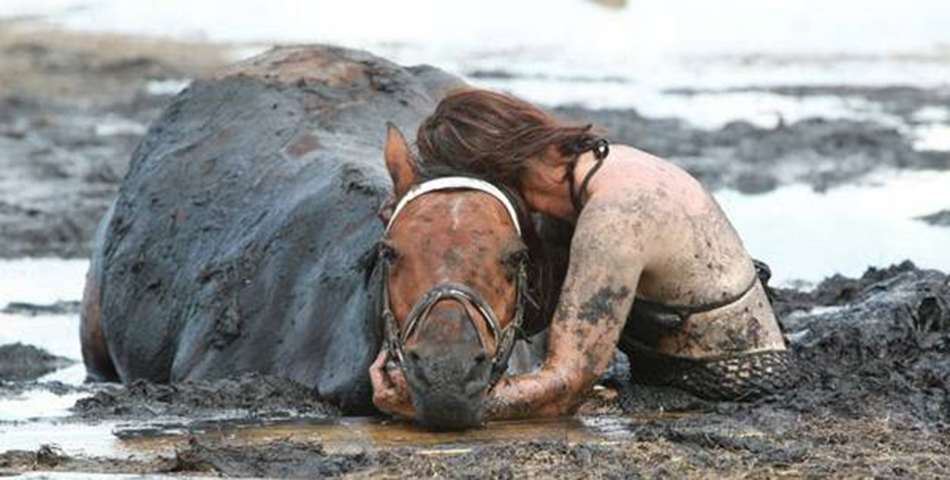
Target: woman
x=655 y=267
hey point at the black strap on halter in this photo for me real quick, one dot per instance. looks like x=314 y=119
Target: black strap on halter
x=601 y=148
x=504 y=338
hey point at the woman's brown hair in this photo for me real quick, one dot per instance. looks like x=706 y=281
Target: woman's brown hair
x=491 y=135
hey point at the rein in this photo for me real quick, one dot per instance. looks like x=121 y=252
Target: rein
x=504 y=338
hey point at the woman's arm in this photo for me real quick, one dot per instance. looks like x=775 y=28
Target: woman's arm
x=597 y=295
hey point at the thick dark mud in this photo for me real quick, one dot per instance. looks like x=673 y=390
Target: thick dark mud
x=876 y=349
x=875 y=401
x=939 y=219
x=879 y=350
x=62 y=307
x=252 y=394
x=20 y=362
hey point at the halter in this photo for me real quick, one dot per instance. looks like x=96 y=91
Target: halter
x=504 y=338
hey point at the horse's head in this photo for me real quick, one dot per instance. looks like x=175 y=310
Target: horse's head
x=454 y=286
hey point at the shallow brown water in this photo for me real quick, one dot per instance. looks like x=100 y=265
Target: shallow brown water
x=360 y=434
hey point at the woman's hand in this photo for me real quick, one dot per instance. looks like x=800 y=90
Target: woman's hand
x=390 y=392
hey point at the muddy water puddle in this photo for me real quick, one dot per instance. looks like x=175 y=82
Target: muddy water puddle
x=353 y=435
x=339 y=435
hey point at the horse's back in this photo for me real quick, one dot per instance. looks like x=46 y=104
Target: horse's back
x=243 y=236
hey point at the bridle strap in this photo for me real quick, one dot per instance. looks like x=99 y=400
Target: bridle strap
x=456 y=183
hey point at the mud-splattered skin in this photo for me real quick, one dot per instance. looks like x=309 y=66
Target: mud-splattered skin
x=647 y=230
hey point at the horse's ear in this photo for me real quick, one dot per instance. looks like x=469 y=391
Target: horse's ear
x=398 y=161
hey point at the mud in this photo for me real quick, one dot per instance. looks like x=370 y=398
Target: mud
x=876 y=401
x=823 y=153
x=939 y=219
x=72 y=108
x=32 y=309
x=20 y=362
x=252 y=394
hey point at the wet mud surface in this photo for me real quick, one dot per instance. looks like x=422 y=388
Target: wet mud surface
x=876 y=349
x=875 y=401
x=73 y=107
x=252 y=394
x=20 y=362
x=820 y=152
x=940 y=219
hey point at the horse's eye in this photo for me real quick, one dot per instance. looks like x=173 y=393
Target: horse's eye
x=387 y=252
x=514 y=260
x=519 y=257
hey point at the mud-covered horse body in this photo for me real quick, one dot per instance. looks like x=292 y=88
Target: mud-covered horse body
x=243 y=236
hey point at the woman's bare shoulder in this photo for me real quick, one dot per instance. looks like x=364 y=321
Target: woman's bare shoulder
x=632 y=172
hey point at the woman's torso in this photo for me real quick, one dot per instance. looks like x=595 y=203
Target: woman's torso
x=694 y=264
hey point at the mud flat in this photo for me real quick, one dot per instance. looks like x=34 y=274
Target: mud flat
x=875 y=400
x=20 y=362
x=73 y=106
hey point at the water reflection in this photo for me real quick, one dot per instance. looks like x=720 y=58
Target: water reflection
x=348 y=435
x=806 y=235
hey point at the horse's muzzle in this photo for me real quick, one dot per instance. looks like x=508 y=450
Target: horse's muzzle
x=448 y=382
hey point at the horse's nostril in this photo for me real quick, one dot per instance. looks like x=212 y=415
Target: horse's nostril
x=413 y=356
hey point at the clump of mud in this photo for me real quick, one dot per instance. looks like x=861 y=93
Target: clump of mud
x=903 y=101
x=19 y=362
x=547 y=459
x=875 y=396
x=61 y=307
x=937 y=219
x=280 y=459
x=254 y=394
x=882 y=350
x=50 y=458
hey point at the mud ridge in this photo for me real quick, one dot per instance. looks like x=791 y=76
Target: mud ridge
x=19 y=362
x=256 y=395
x=937 y=219
x=819 y=152
x=61 y=307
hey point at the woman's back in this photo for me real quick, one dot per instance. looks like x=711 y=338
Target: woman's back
x=694 y=254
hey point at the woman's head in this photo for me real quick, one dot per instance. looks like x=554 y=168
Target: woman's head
x=493 y=136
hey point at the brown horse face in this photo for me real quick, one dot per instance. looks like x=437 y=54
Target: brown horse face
x=443 y=238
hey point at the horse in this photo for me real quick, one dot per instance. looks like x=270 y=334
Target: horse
x=245 y=238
